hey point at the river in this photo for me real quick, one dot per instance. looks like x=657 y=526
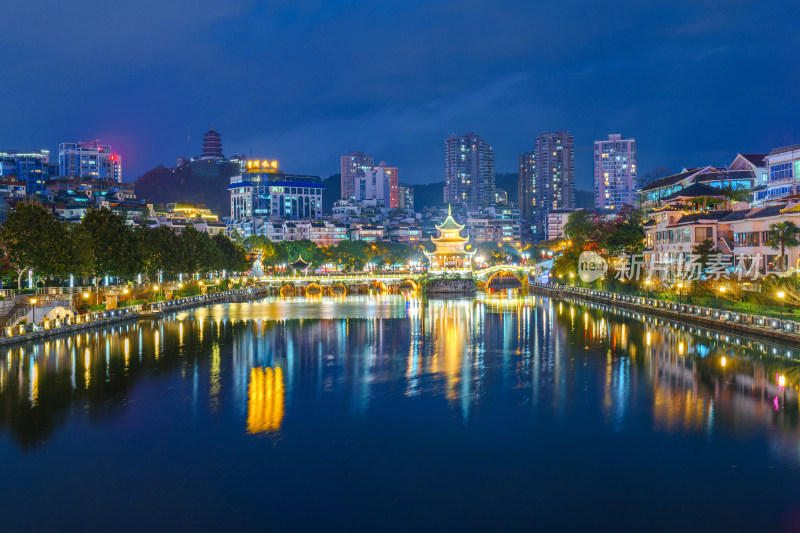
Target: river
x=394 y=413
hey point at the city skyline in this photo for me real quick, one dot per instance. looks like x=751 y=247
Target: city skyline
x=547 y=79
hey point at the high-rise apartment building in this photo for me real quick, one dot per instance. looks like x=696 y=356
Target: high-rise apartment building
x=89 y=159
x=526 y=188
x=32 y=167
x=406 y=197
x=375 y=186
x=392 y=175
x=554 y=179
x=354 y=166
x=469 y=171
x=614 y=173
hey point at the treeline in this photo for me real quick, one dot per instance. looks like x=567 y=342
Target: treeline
x=103 y=244
x=348 y=255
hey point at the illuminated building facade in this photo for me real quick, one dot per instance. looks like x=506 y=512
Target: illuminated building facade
x=353 y=167
x=405 y=195
x=89 y=159
x=614 y=173
x=469 y=171
x=527 y=194
x=391 y=174
x=554 y=186
x=450 y=251
x=29 y=166
x=263 y=191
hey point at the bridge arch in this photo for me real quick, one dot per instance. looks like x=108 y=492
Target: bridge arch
x=409 y=284
x=288 y=290
x=503 y=279
x=313 y=289
x=377 y=285
x=338 y=289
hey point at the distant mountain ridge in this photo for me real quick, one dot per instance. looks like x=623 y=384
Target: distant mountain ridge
x=163 y=185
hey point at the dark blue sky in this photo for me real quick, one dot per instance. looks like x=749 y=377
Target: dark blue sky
x=305 y=81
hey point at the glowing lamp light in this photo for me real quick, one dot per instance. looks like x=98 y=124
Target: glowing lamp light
x=723 y=362
x=85 y=294
x=782 y=381
x=781 y=294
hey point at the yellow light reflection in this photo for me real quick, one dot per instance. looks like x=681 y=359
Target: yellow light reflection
x=265 y=405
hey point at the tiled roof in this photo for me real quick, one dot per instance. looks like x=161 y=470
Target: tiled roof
x=698 y=217
x=669 y=180
x=756 y=160
x=777 y=151
x=768 y=211
x=696 y=190
x=736 y=215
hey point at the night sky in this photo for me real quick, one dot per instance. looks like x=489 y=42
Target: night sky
x=306 y=81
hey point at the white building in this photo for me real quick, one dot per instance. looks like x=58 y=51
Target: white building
x=375 y=186
x=556 y=219
x=614 y=173
x=89 y=159
x=782 y=167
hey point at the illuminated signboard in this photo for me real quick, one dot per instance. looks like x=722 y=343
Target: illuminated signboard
x=256 y=165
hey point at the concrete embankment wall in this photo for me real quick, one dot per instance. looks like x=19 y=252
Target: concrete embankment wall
x=127 y=315
x=764 y=328
x=450 y=286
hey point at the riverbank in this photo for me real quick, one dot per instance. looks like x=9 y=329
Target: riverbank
x=729 y=321
x=29 y=332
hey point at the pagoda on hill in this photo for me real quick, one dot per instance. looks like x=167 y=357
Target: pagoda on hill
x=450 y=253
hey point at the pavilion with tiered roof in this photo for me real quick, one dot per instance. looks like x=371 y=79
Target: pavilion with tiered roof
x=450 y=251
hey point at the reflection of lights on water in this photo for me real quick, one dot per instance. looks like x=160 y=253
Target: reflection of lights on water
x=782 y=381
x=723 y=361
x=87 y=373
x=648 y=338
x=265 y=400
x=680 y=348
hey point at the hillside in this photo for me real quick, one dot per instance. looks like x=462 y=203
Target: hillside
x=162 y=185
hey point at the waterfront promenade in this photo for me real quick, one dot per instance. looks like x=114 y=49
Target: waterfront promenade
x=744 y=323
x=27 y=332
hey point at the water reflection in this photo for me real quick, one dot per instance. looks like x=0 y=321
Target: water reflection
x=266 y=364
x=265 y=400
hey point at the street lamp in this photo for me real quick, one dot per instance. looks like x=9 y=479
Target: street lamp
x=33 y=303
x=722 y=290
x=680 y=292
x=781 y=294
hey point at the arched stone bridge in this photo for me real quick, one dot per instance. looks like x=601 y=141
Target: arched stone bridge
x=498 y=277
x=342 y=284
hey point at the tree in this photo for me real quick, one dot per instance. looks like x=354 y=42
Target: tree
x=232 y=256
x=736 y=194
x=198 y=251
x=653 y=175
x=33 y=239
x=109 y=245
x=703 y=252
x=783 y=235
x=160 y=250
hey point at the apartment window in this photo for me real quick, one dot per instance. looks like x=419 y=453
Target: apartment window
x=701 y=234
x=780 y=172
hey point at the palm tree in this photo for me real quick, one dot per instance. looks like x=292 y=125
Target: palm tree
x=783 y=235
